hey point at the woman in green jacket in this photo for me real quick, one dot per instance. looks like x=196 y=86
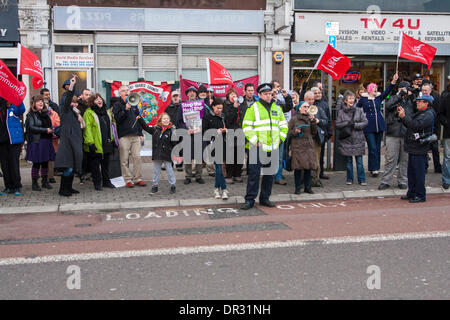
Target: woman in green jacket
x=98 y=140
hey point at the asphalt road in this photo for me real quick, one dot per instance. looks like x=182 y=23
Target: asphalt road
x=407 y=269
x=349 y=249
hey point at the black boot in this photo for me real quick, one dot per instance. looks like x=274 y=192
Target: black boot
x=69 y=185
x=63 y=188
x=35 y=185
x=45 y=183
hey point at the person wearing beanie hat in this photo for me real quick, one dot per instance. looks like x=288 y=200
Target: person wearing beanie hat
x=395 y=138
x=191 y=93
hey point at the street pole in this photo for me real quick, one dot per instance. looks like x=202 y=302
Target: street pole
x=330 y=100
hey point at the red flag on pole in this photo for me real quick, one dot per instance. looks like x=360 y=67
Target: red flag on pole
x=28 y=63
x=333 y=63
x=415 y=50
x=11 y=89
x=217 y=74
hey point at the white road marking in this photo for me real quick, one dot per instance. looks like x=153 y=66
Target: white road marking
x=223 y=248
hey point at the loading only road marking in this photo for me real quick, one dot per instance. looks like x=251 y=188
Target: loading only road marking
x=311 y=205
x=198 y=212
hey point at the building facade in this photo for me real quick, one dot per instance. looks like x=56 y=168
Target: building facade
x=368 y=32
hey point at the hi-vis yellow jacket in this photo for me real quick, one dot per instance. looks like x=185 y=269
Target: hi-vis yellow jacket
x=265 y=127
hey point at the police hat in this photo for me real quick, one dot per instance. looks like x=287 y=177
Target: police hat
x=426 y=97
x=417 y=76
x=264 y=87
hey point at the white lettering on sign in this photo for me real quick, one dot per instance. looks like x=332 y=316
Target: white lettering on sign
x=170 y=214
x=3 y=31
x=373 y=26
x=311 y=205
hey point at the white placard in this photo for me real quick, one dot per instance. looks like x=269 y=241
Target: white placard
x=74 y=60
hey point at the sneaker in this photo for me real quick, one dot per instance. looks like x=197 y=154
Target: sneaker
x=281 y=182
x=129 y=185
x=217 y=193
x=229 y=181
x=141 y=183
x=18 y=192
x=237 y=179
x=374 y=173
x=224 y=194
x=187 y=180
x=403 y=186
x=173 y=189
x=52 y=180
x=363 y=183
x=445 y=186
x=154 y=189
x=349 y=183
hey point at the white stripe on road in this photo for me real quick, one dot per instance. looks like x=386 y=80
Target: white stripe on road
x=222 y=248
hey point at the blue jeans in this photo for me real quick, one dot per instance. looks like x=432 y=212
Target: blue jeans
x=219 y=179
x=279 y=175
x=374 y=145
x=446 y=162
x=359 y=169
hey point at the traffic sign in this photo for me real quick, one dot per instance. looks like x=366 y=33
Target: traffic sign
x=332 y=41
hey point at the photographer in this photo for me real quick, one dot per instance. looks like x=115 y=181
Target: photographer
x=395 y=134
x=419 y=133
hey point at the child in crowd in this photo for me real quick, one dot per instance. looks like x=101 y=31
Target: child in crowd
x=215 y=120
x=162 y=149
x=40 y=151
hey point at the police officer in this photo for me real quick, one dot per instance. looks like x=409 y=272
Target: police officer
x=417 y=143
x=265 y=128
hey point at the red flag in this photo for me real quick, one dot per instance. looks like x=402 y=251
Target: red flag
x=28 y=63
x=11 y=89
x=333 y=63
x=416 y=50
x=217 y=74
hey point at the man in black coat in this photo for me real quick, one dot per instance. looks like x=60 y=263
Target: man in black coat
x=395 y=138
x=444 y=119
x=427 y=88
x=130 y=135
x=419 y=130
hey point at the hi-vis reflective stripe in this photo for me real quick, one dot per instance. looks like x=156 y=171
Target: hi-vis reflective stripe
x=257 y=116
x=254 y=139
x=267 y=128
x=282 y=134
x=283 y=123
x=260 y=122
x=250 y=123
x=248 y=129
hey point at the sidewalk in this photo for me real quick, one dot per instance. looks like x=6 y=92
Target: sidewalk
x=193 y=194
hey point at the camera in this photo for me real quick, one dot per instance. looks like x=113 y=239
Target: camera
x=424 y=138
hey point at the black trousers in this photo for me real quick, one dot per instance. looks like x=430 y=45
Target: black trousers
x=416 y=175
x=434 y=146
x=9 y=159
x=254 y=173
x=99 y=167
x=322 y=156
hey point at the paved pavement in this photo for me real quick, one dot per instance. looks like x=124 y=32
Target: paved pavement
x=192 y=194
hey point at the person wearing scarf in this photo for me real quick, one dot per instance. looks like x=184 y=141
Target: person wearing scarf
x=98 y=141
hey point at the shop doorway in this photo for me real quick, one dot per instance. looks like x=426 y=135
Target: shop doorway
x=83 y=81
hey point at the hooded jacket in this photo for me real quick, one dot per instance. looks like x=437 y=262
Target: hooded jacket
x=162 y=143
x=12 y=121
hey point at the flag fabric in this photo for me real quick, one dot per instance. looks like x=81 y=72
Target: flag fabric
x=415 y=50
x=333 y=62
x=11 y=89
x=220 y=90
x=217 y=74
x=28 y=63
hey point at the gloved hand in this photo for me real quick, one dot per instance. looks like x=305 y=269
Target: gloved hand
x=92 y=148
x=351 y=124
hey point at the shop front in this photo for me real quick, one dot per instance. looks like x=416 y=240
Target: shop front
x=155 y=44
x=9 y=34
x=371 y=42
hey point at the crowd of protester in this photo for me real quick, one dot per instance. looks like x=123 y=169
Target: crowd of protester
x=79 y=135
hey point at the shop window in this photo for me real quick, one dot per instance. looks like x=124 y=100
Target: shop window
x=160 y=76
x=114 y=75
x=220 y=51
x=200 y=75
x=159 y=50
x=117 y=49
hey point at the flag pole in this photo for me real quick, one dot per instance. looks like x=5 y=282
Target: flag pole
x=309 y=75
x=396 y=68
